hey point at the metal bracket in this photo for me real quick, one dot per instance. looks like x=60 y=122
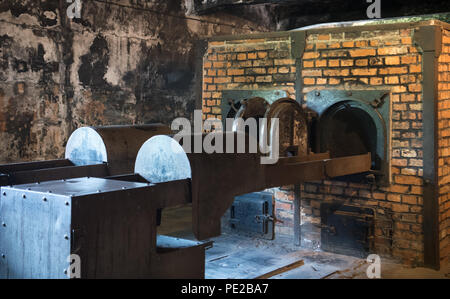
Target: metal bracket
x=298 y=43
x=378 y=102
x=429 y=39
x=264 y=218
x=200 y=49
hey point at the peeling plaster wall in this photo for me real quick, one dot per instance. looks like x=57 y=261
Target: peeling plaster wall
x=115 y=65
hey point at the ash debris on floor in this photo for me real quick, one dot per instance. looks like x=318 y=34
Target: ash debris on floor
x=239 y=256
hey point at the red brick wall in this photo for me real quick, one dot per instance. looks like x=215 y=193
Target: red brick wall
x=383 y=59
x=444 y=147
x=245 y=64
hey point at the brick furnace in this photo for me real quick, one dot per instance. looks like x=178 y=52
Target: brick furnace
x=379 y=88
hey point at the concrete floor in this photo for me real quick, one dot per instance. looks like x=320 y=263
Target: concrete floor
x=239 y=256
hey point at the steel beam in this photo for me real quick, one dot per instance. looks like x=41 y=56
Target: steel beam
x=429 y=39
x=217 y=178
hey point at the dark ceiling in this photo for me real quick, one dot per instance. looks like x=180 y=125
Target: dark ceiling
x=290 y=14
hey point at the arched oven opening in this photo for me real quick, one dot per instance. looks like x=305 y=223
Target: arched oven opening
x=352 y=124
x=348 y=130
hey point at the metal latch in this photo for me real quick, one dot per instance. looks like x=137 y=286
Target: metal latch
x=264 y=218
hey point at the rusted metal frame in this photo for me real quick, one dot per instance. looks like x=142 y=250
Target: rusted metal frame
x=171 y=194
x=347 y=165
x=127 y=247
x=170 y=260
x=48 y=174
x=135 y=177
x=298 y=43
x=167 y=194
x=294 y=173
x=429 y=39
x=200 y=47
x=300 y=159
x=132 y=177
x=14 y=167
x=217 y=178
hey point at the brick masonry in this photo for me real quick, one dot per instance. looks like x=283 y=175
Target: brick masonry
x=385 y=59
x=245 y=64
x=444 y=146
x=379 y=59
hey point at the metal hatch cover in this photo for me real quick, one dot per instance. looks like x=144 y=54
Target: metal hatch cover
x=347 y=229
x=252 y=214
